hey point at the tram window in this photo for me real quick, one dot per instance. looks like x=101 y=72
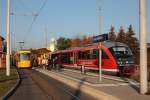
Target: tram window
x=24 y=56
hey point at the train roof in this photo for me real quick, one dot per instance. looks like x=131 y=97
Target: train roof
x=110 y=44
x=107 y=44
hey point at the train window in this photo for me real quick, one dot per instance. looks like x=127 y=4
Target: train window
x=71 y=58
x=64 y=58
x=104 y=55
x=67 y=58
x=95 y=53
x=80 y=55
x=120 y=52
x=88 y=54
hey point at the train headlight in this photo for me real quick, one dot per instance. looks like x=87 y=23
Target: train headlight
x=127 y=62
x=131 y=62
x=119 y=62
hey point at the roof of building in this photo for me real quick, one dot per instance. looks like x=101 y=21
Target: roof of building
x=2 y=38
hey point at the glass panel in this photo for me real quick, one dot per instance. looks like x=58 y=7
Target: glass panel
x=25 y=56
x=121 y=51
x=104 y=55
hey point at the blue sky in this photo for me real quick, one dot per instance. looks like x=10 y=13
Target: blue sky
x=68 y=18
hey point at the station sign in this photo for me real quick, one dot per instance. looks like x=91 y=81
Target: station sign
x=100 y=38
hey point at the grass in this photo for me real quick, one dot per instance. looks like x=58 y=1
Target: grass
x=7 y=82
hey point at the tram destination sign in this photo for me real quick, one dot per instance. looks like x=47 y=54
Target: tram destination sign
x=100 y=38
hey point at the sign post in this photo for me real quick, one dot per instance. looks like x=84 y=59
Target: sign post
x=99 y=39
x=100 y=61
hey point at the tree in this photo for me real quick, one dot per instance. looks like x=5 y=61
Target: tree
x=132 y=41
x=75 y=42
x=121 y=37
x=63 y=43
x=111 y=34
x=86 y=40
x=80 y=41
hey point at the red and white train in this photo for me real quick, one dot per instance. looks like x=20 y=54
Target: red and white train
x=116 y=57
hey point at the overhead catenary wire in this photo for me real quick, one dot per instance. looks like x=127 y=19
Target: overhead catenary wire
x=25 y=6
x=35 y=17
x=28 y=13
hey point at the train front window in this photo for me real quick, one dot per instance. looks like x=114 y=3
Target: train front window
x=25 y=56
x=121 y=52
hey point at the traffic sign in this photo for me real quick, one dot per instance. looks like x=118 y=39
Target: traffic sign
x=100 y=38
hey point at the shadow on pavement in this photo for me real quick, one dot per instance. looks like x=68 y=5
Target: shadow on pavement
x=78 y=91
x=135 y=87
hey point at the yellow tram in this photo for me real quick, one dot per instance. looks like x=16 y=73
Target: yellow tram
x=23 y=59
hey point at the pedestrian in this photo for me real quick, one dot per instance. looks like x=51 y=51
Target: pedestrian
x=43 y=63
x=35 y=63
x=39 y=61
x=46 y=63
x=50 y=64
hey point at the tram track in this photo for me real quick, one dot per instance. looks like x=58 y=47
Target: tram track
x=37 y=83
x=51 y=89
x=24 y=74
x=59 y=87
x=65 y=90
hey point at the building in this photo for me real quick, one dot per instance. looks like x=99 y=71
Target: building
x=148 y=45
x=2 y=53
x=52 y=46
x=148 y=54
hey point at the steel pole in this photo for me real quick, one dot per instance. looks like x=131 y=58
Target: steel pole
x=100 y=61
x=143 y=48
x=46 y=37
x=100 y=32
x=8 y=39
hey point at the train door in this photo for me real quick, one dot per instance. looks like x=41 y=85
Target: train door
x=75 y=58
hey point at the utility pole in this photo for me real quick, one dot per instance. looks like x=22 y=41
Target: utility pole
x=21 y=44
x=100 y=61
x=46 y=37
x=0 y=17
x=8 y=39
x=100 y=44
x=143 y=48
